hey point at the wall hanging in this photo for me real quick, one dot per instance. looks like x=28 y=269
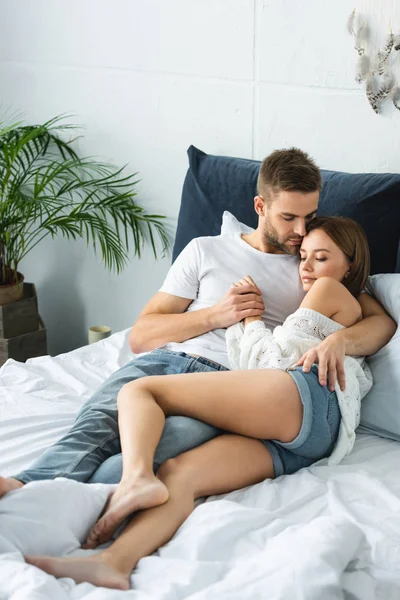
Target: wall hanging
x=375 y=69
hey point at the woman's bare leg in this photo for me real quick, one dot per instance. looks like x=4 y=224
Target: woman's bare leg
x=226 y=463
x=263 y=404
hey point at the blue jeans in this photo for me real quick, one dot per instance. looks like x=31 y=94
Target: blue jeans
x=94 y=437
x=319 y=430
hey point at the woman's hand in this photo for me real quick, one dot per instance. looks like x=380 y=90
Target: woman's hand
x=329 y=356
x=248 y=281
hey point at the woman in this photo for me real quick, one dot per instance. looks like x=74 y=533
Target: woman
x=281 y=419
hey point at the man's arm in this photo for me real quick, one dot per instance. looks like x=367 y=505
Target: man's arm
x=165 y=318
x=362 y=339
x=371 y=333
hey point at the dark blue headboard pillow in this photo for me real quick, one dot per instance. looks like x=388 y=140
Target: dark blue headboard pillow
x=217 y=183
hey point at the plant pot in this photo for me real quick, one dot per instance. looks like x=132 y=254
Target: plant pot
x=12 y=291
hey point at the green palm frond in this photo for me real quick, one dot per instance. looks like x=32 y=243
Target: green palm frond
x=47 y=189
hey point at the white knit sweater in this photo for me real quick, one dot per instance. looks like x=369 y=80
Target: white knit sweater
x=256 y=347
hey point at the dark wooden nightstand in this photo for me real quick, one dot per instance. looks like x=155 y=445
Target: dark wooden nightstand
x=22 y=331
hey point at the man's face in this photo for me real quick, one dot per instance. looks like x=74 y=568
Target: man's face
x=286 y=218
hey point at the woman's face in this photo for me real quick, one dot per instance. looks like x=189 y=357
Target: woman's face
x=320 y=257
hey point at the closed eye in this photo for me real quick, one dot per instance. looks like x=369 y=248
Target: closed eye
x=303 y=258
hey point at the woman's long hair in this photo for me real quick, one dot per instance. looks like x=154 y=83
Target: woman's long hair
x=350 y=237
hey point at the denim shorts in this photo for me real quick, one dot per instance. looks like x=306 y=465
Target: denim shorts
x=320 y=428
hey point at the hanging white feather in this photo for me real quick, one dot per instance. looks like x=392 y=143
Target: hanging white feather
x=388 y=47
x=350 y=23
x=371 y=95
x=386 y=87
x=396 y=97
x=360 y=38
x=362 y=67
x=378 y=63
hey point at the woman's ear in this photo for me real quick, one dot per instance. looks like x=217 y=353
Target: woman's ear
x=348 y=272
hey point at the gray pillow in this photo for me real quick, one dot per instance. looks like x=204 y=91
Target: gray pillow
x=380 y=409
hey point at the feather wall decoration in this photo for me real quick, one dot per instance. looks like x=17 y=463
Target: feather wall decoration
x=370 y=89
x=351 y=22
x=360 y=38
x=381 y=57
x=362 y=68
x=387 y=86
x=396 y=97
x=376 y=72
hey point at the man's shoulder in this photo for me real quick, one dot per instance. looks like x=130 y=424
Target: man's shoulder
x=220 y=240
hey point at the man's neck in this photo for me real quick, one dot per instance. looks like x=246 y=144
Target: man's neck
x=256 y=240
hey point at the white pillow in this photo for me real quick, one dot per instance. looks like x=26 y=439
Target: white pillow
x=50 y=517
x=230 y=224
x=380 y=409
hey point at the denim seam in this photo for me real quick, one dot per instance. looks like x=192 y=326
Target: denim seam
x=189 y=366
x=93 y=447
x=332 y=398
x=306 y=425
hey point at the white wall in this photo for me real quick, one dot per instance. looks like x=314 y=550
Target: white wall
x=147 y=78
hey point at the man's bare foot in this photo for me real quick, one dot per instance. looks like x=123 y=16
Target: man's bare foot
x=93 y=569
x=8 y=484
x=130 y=496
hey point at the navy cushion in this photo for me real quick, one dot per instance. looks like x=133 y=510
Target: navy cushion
x=217 y=183
x=398 y=260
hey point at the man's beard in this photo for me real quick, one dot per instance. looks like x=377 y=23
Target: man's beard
x=271 y=237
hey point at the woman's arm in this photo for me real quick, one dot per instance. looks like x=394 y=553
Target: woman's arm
x=249 y=346
x=362 y=339
x=330 y=298
x=246 y=343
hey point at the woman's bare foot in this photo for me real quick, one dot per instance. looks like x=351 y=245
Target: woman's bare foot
x=8 y=484
x=93 y=569
x=131 y=495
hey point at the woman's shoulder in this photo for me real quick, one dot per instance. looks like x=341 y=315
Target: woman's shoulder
x=333 y=299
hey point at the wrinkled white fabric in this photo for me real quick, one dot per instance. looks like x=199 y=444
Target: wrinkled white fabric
x=325 y=532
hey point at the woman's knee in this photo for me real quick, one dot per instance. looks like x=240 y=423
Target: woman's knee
x=130 y=389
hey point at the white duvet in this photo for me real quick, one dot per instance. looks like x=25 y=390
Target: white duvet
x=324 y=533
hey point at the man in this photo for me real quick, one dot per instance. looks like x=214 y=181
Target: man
x=183 y=325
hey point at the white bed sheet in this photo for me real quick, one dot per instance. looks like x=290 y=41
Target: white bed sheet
x=323 y=533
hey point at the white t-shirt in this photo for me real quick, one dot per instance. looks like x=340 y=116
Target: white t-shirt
x=204 y=272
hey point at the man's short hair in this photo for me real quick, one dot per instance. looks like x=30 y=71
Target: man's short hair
x=290 y=170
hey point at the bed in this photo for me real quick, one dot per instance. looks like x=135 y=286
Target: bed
x=323 y=533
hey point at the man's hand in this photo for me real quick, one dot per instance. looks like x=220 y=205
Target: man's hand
x=244 y=281
x=243 y=300
x=329 y=355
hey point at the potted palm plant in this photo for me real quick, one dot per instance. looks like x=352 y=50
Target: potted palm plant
x=47 y=189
